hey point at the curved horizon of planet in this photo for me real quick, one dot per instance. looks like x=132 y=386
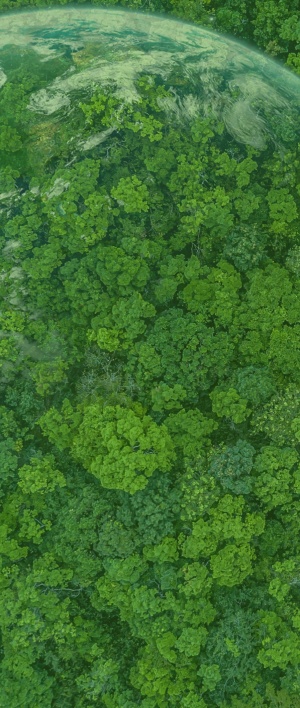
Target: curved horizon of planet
x=129 y=43
x=86 y=48
x=74 y=51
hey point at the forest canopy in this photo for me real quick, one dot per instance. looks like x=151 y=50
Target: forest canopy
x=150 y=397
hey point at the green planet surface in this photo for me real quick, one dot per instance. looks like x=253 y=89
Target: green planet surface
x=149 y=365
x=65 y=55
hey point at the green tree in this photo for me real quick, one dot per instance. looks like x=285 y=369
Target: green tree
x=128 y=323
x=122 y=447
x=229 y=404
x=232 y=563
x=255 y=384
x=232 y=466
x=278 y=418
x=245 y=247
x=132 y=194
x=190 y=430
x=276 y=479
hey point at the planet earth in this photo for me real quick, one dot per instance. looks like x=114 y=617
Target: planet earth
x=120 y=127
x=149 y=193
x=63 y=55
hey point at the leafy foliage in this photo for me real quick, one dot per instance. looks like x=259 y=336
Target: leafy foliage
x=149 y=384
x=233 y=466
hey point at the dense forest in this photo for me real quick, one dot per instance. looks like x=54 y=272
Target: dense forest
x=150 y=398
